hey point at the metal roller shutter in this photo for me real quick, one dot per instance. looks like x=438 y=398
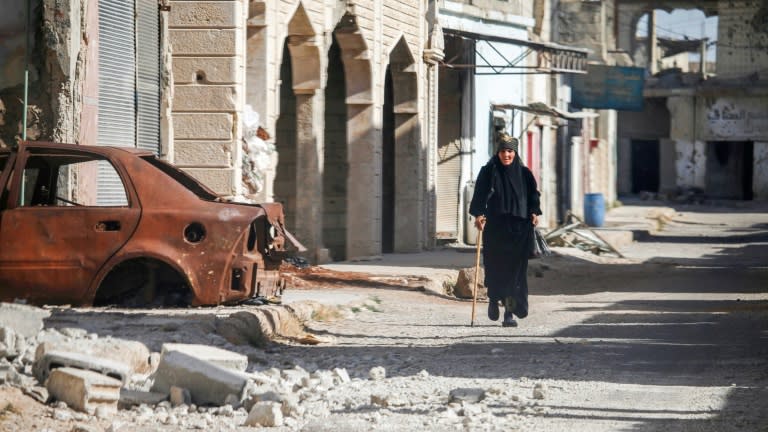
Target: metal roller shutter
x=448 y=174
x=117 y=74
x=129 y=85
x=148 y=76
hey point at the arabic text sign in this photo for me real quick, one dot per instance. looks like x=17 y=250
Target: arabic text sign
x=609 y=87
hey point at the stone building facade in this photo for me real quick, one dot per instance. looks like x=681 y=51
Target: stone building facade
x=340 y=87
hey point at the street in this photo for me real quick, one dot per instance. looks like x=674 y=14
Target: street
x=678 y=342
x=672 y=338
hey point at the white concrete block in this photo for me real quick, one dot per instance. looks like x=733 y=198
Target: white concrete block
x=207 y=383
x=217 y=356
x=83 y=390
x=56 y=359
x=134 y=354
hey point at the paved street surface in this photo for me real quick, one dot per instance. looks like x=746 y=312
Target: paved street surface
x=672 y=338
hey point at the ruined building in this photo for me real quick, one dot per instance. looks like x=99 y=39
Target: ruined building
x=701 y=132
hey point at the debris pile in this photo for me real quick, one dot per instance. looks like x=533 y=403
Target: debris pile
x=577 y=234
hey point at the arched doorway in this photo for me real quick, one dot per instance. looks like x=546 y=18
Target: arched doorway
x=335 y=164
x=363 y=187
x=388 y=168
x=298 y=181
x=404 y=165
x=285 y=143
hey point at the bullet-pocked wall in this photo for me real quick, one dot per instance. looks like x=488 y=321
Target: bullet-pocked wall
x=316 y=73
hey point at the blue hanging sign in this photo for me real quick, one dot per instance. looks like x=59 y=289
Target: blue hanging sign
x=609 y=87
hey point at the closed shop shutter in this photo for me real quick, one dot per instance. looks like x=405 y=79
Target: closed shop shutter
x=129 y=84
x=148 y=76
x=117 y=89
x=117 y=74
x=448 y=174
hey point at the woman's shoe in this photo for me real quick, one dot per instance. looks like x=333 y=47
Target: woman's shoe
x=493 y=310
x=509 y=320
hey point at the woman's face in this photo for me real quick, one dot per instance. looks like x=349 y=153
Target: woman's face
x=506 y=156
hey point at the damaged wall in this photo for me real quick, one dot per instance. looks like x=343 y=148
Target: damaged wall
x=691 y=157
x=44 y=39
x=742 y=34
x=587 y=25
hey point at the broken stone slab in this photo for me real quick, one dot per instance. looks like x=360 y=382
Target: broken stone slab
x=130 y=398
x=23 y=319
x=132 y=353
x=470 y=395
x=55 y=359
x=84 y=390
x=257 y=326
x=217 y=356
x=207 y=383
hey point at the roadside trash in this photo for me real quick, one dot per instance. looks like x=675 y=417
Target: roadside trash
x=575 y=233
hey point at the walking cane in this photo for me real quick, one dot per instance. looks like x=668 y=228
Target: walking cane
x=477 y=274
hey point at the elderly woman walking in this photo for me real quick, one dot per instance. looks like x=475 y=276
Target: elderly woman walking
x=506 y=208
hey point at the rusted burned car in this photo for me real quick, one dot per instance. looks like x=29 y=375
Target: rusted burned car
x=91 y=225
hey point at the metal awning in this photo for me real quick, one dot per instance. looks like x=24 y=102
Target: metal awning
x=551 y=58
x=542 y=109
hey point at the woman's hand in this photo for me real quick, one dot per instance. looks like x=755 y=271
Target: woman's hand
x=535 y=219
x=480 y=222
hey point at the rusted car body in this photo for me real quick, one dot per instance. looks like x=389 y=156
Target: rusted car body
x=92 y=225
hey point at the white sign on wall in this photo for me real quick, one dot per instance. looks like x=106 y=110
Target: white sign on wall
x=733 y=119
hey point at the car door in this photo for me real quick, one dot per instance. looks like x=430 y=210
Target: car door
x=56 y=227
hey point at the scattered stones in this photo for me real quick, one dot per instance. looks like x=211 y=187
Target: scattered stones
x=267 y=414
x=377 y=373
x=539 y=391
x=380 y=400
x=342 y=375
x=470 y=395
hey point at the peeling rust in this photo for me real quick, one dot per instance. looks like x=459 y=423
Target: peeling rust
x=172 y=242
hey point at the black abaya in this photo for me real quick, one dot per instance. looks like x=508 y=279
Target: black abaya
x=507 y=197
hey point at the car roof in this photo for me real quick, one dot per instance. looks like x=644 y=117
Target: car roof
x=79 y=147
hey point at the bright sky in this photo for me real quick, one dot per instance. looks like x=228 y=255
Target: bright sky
x=681 y=23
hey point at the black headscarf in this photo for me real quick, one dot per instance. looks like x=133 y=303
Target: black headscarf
x=509 y=188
